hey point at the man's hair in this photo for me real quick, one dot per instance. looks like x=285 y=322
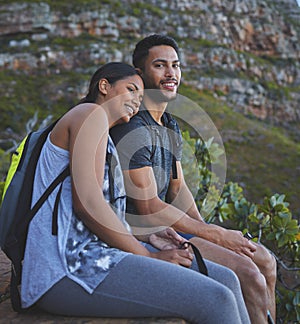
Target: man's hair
x=141 y=50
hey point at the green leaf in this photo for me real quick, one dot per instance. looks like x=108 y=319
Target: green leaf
x=296 y=300
x=281 y=198
x=273 y=201
x=270 y=236
x=282 y=241
x=209 y=142
x=265 y=220
x=278 y=207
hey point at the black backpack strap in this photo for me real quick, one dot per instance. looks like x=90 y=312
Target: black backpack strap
x=15 y=253
x=112 y=163
x=55 y=212
x=200 y=262
x=15 y=281
x=48 y=191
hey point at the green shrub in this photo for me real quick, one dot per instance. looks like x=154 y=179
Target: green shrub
x=271 y=223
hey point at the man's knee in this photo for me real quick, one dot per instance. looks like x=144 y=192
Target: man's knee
x=271 y=266
x=267 y=264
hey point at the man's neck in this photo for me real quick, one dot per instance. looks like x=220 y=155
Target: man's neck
x=156 y=109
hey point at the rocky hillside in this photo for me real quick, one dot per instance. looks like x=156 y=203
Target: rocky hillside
x=245 y=53
x=248 y=51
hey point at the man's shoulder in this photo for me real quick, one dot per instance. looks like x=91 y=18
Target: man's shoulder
x=137 y=123
x=143 y=117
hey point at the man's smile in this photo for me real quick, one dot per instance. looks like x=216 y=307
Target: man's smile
x=169 y=84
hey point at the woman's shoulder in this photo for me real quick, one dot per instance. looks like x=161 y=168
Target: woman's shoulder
x=85 y=112
x=82 y=111
x=71 y=122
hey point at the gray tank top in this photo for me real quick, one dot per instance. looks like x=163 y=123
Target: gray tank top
x=75 y=252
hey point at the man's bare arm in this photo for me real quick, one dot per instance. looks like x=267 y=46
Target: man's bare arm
x=152 y=211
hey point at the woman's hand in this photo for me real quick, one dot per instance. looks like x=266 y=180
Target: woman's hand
x=181 y=257
x=166 y=239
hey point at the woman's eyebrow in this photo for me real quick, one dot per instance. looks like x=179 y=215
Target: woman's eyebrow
x=136 y=87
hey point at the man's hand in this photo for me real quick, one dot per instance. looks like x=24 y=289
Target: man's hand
x=166 y=239
x=235 y=241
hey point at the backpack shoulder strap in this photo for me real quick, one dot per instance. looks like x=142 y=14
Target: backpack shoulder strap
x=48 y=191
x=15 y=253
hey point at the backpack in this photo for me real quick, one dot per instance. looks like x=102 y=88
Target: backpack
x=16 y=211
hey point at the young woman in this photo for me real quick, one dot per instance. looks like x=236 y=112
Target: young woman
x=94 y=266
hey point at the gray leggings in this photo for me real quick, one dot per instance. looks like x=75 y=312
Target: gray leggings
x=145 y=287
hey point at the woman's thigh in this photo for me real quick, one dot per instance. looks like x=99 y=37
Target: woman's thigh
x=146 y=287
x=226 y=277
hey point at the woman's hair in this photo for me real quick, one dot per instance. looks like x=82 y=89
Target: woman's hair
x=141 y=50
x=112 y=72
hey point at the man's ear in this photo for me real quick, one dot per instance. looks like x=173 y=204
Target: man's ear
x=103 y=86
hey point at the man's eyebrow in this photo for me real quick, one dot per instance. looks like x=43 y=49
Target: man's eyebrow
x=164 y=61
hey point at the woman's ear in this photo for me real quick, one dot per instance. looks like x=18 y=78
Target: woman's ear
x=139 y=71
x=103 y=86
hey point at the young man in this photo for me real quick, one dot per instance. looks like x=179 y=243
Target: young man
x=157 y=192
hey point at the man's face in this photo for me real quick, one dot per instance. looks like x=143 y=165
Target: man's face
x=162 y=72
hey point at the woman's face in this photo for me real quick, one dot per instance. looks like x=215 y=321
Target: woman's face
x=124 y=98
